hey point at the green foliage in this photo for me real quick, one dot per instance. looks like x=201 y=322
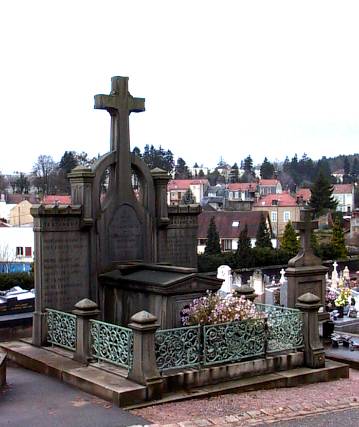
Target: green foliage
x=233 y=175
x=213 y=246
x=263 y=237
x=243 y=256
x=156 y=157
x=289 y=242
x=181 y=169
x=9 y=280
x=188 y=198
x=267 y=169
x=322 y=198
x=338 y=241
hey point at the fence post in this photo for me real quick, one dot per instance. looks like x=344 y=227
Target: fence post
x=144 y=368
x=84 y=311
x=314 y=354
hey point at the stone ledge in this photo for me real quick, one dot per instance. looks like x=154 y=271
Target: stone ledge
x=90 y=379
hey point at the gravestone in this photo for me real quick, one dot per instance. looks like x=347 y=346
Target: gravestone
x=335 y=277
x=305 y=272
x=224 y=272
x=118 y=217
x=258 y=285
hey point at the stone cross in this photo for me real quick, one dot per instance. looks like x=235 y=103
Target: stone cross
x=282 y=276
x=120 y=103
x=305 y=227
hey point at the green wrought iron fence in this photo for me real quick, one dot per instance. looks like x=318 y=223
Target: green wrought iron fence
x=206 y=345
x=178 y=348
x=61 y=329
x=233 y=341
x=284 y=328
x=111 y=343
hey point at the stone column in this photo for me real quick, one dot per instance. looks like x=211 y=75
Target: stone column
x=144 y=368
x=160 y=180
x=314 y=354
x=81 y=180
x=84 y=311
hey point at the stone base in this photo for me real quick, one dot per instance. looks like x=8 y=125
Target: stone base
x=110 y=384
x=2 y=368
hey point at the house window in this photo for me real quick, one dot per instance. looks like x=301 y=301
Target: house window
x=235 y=224
x=202 y=242
x=28 y=251
x=19 y=251
x=286 y=216
x=273 y=216
x=227 y=244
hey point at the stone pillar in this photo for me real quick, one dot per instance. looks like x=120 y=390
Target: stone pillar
x=84 y=311
x=314 y=354
x=246 y=291
x=2 y=368
x=144 y=368
x=81 y=179
x=160 y=180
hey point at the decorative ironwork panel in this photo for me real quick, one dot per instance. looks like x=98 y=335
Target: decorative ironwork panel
x=61 y=329
x=111 y=343
x=178 y=348
x=231 y=342
x=285 y=328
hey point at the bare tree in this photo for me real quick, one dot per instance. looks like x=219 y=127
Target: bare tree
x=43 y=173
x=7 y=256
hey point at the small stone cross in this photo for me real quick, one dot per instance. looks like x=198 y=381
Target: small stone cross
x=120 y=103
x=305 y=227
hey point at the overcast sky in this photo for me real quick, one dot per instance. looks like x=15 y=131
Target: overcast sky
x=221 y=78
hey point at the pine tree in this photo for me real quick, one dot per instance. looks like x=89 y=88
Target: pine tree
x=322 y=195
x=181 y=169
x=267 y=169
x=244 y=250
x=188 y=198
x=355 y=169
x=263 y=237
x=338 y=241
x=233 y=175
x=289 y=241
x=213 y=246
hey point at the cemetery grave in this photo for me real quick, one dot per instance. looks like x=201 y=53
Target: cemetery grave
x=115 y=271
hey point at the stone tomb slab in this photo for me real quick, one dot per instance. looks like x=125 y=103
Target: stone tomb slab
x=161 y=290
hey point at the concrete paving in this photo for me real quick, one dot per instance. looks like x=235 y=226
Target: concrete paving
x=349 y=418
x=34 y=400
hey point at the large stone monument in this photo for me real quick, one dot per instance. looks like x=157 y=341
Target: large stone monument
x=89 y=249
x=305 y=272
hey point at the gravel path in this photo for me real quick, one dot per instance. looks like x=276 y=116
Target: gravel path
x=302 y=398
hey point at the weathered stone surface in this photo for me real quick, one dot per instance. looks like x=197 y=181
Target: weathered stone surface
x=2 y=368
x=309 y=298
x=86 y=304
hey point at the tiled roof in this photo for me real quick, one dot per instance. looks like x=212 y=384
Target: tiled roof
x=54 y=198
x=242 y=186
x=305 y=193
x=183 y=184
x=283 y=199
x=224 y=223
x=269 y=182
x=343 y=188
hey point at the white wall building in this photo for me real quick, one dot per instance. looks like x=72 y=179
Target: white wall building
x=16 y=244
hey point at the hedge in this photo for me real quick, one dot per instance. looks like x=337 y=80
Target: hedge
x=9 y=280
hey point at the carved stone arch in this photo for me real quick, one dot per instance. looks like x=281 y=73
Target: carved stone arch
x=106 y=161
x=146 y=181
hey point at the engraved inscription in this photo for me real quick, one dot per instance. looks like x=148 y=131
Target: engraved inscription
x=64 y=269
x=126 y=235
